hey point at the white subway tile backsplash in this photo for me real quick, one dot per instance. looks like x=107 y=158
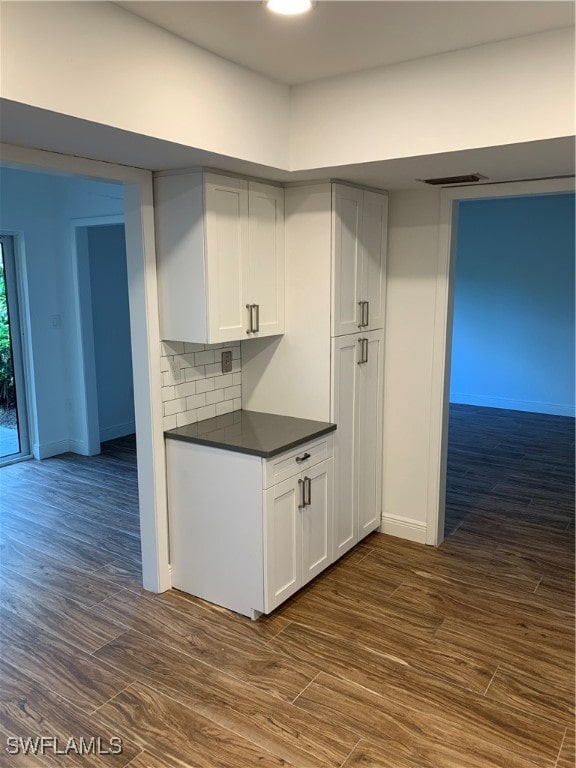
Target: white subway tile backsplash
x=214 y=370
x=168 y=394
x=196 y=372
x=196 y=401
x=174 y=406
x=208 y=412
x=231 y=393
x=169 y=422
x=224 y=381
x=226 y=406
x=172 y=347
x=214 y=397
x=187 y=360
x=204 y=385
x=205 y=358
x=186 y=389
x=190 y=347
x=193 y=385
x=188 y=417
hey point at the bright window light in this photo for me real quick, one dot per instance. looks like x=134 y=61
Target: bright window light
x=289 y=7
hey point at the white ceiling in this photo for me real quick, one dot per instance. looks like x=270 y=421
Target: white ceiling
x=339 y=36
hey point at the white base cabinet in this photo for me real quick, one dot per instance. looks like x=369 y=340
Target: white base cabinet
x=246 y=533
x=357 y=401
x=297 y=532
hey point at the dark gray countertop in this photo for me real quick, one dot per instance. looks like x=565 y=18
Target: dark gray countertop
x=259 y=434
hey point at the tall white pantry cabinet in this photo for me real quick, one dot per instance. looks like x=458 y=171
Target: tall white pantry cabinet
x=329 y=364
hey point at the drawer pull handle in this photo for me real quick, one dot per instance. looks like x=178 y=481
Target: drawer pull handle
x=299 y=459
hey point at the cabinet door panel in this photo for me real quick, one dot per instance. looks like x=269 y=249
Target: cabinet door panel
x=347 y=213
x=266 y=256
x=374 y=243
x=317 y=521
x=227 y=261
x=369 y=435
x=345 y=414
x=282 y=543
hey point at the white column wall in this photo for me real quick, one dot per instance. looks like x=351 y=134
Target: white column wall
x=411 y=301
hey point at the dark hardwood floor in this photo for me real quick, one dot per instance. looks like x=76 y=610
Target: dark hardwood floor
x=399 y=656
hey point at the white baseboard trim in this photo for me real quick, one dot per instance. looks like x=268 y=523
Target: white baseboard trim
x=45 y=450
x=553 y=409
x=118 y=430
x=79 y=446
x=403 y=528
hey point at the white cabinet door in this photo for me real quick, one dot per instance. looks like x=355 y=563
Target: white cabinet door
x=266 y=257
x=374 y=235
x=345 y=356
x=347 y=222
x=368 y=437
x=317 y=537
x=282 y=542
x=227 y=268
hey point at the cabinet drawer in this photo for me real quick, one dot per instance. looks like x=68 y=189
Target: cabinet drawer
x=285 y=465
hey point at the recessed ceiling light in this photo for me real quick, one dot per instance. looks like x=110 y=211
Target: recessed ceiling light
x=289 y=7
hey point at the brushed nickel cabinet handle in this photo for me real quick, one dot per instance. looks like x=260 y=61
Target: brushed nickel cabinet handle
x=367 y=320
x=361 y=323
x=251 y=326
x=365 y=360
x=307 y=491
x=302 y=458
x=301 y=485
x=257 y=326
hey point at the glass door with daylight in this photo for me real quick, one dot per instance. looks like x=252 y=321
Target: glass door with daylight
x=14 y=441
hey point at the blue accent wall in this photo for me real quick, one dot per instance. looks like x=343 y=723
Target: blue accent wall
x=111 y=324
x=513 y=338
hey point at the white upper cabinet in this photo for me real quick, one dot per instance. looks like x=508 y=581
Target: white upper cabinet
x=227 y=267
x=220 y=249
x=266 y=257
x=373 y=239
x=347 y=220
x=359 y=260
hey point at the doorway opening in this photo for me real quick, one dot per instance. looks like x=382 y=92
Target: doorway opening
x=14 y=437
x=511 y=421
x=58 y=397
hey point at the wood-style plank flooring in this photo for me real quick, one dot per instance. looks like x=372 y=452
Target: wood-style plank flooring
x=399 y=656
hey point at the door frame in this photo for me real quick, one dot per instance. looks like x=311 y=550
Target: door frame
x=84 y=330
x=13 y=283
x=145 y=335
x=442 y=334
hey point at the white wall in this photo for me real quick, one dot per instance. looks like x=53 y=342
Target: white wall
x=39 y=210
x=99 y=62
x=148 y=81
x=411 y=294
x=502 y=93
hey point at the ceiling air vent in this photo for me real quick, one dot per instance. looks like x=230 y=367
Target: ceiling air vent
x=446 y=181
